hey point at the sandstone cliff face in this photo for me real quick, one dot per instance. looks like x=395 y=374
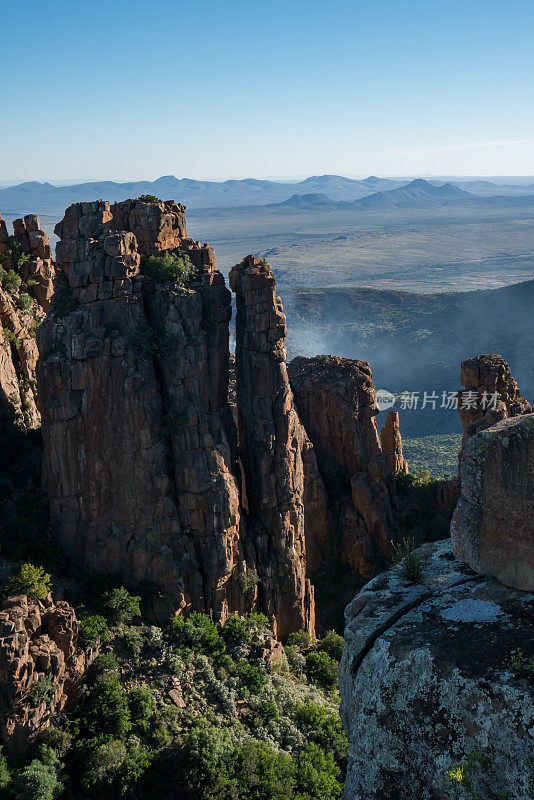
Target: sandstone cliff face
x=274 y=449
x=391 y=441
x=38 y=640
x=337 y=404
x=428 y=686
x=493 y=524
x=133 y=389
x=26 y=286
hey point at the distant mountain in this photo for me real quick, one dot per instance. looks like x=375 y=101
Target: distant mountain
x=417 y=193
x=45 y=198
x=371 y=192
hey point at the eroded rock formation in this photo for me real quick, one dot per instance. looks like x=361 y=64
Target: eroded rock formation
x=38 y=648
x=493 y=524
x=133 y=387
x=429 y=687
x=391 y=441
x=274 y=448
x=490 y=394
x=26 y=285
x=336 y=401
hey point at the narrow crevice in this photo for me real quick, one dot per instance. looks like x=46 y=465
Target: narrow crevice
x=399 y=614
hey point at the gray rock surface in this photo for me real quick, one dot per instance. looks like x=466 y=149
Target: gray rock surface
x=493 y=524
x=437 y=693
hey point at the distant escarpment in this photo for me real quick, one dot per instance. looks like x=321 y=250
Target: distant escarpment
x=152 y=473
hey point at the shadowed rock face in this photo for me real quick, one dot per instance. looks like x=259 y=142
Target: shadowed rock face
x=493 y=524
x=136 y=424
x=336 y=401
x=427 y=682
x=274 y=449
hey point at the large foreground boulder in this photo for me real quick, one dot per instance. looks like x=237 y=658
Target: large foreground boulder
x=493 y=524
x=436 y=685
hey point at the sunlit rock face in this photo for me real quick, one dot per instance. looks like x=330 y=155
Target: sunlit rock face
x=436 y=686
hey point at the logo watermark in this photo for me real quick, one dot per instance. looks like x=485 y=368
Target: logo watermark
x=451 y=401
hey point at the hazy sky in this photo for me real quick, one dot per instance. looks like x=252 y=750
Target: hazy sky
x=232 y=89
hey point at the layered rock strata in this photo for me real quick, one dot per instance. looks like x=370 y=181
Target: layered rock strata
x=275 y=451
x=136 y=423
x=493 y=524
x=336 y=401
x=38 y=648
x=436 y=688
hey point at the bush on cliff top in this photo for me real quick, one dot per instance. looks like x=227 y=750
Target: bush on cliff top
x=29 y=580
x=175 y=268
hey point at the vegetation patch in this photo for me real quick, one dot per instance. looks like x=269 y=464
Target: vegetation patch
x=175 y=268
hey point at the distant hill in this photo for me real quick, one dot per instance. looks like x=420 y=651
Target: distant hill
x=46 y=198
x=418 y=192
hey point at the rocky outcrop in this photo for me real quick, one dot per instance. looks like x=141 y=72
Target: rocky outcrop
x=41 y=666
x=391 y=441
x=436 y=691
x=336 y=401
x=493 y=524
x=26 y=285
x=136 y=425
x=274 y=449
x=490 y=394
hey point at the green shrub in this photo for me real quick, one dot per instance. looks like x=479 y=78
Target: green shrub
x=332 y=644
x=37 y=781
x=148 y=198
x=325 y=729
x=121 y=605
x=175 y=268
x=238 y=629
x=142 y=704
x=107 y=665
x=106 y=710
x=300 y=639
x=25 y=302
x=317 y=774
x=11 y=337
x=29 y=580
x=247 y=581
x=9 y=279
x=57 y=739
x=5 y=775
x=408 y=561
x=253 y=676
x=197 y=632
x=133 y=641
x=92 y=630
x=43 y=691
x=321 y=669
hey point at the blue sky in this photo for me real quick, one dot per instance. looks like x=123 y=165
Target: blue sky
x=233 y=89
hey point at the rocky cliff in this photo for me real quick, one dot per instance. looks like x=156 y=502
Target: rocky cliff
x=273 y=446
x=26 y=286
x=491 y=394
x=40 y=666
x=138 y=465
x=493 y=524
x=336 y=401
